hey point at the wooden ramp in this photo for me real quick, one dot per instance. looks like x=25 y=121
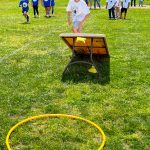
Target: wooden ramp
x=88 y=45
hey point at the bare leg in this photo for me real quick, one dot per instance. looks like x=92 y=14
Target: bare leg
x=52 y=10
x=26 y=16
x=47 y=9
x=74 y=30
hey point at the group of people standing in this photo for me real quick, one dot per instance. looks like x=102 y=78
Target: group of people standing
x=133 y=3
x=96 y=3
x=48 y=5
x=116 y=8
x=78 y=11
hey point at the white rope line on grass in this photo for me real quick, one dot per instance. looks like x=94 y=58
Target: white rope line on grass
x=22 y=48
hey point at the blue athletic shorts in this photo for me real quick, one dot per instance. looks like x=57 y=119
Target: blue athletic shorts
x=52 y=3
x=76 y=24
x=25 y=10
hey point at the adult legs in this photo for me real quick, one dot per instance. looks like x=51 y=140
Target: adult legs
x=134 y=3
x=109 y=12
x=121 y=13
x=113 y=12
x=125 y=13
x=131 y=3
x=97 y=2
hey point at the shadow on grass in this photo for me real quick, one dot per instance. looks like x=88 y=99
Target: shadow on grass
x=24 y=23
x=78 y=72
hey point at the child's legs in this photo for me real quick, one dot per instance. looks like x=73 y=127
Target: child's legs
x=76 y=28
x=36 y=9
x=47 y=9
x=98 y=3
x=52 y=9
x=90 y=3
x=26 y=15
x=142 y=3
x=117 y=11
x=94 y=3
x=52 y=4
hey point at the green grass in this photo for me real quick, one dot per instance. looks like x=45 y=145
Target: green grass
x=33 y=58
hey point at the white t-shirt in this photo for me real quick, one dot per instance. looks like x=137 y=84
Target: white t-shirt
x=125 y=3
x=111 y=3
x=117 y=3
x=79 y=10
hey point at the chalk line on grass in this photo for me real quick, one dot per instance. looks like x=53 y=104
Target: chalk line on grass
x=22 y=48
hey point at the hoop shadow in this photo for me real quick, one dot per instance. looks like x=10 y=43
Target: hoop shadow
x=78 y=72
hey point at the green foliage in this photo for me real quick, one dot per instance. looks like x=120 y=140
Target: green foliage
x=33 y=58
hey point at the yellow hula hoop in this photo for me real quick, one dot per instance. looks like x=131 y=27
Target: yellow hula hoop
x=102 y=135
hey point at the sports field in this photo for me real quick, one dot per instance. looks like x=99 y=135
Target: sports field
x=32 y=60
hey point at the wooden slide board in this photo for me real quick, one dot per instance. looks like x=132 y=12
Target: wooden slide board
x=86 y=43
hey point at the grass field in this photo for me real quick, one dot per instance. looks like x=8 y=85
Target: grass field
x=32 y=60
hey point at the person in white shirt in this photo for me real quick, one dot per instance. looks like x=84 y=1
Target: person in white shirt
x=79 y=12
x=125 y=5
x=110 y=5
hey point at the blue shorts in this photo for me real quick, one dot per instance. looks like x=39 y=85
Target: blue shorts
x=25 y=10
x=52 y=3
x=76 y=24
x=47 y=3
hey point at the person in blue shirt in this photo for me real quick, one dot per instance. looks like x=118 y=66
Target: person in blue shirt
x=46 y=4
x=35 y=4
x=25 y=8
